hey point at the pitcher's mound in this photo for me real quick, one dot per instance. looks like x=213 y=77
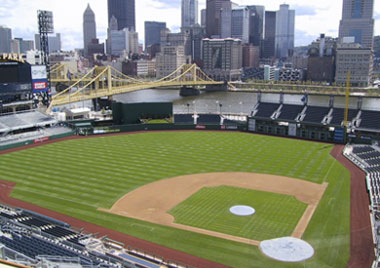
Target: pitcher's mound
x=242 y=210
x=287 y=249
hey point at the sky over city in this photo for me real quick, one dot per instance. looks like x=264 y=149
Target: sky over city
x=312 y=17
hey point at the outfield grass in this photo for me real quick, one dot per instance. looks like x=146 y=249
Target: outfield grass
x=276 y=215
x=76 y=177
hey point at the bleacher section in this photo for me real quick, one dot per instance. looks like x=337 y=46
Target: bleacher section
x=367 y=155
x=34 y=240
x=315 y=114
x=32 y=135
x=33 y=222
x=323 y=123
x=365 y=120
x=290 y=112
x=28 y=126
x=266 y=109
x=183 y=119
x=338 y=116
x=58 y=231
x=33 y=246
x=11 y=122
x=208 y=119
x=370 y=119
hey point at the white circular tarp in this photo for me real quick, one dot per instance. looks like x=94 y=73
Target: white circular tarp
x=287 y=249
x=242 y=210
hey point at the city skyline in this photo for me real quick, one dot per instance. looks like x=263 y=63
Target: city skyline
x=21 y=17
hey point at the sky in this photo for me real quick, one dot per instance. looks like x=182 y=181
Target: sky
x=313 y=17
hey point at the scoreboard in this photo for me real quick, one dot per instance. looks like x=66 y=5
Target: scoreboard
x=15 y=77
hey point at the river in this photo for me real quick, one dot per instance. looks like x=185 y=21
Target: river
x=234 y=102
x=229 y=102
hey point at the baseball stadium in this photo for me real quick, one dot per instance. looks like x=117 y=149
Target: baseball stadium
x=268 y=179
x=194 y=192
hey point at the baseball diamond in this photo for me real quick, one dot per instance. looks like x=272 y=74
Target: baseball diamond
x=91 y=173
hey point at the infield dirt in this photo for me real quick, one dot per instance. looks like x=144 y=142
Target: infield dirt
x=152 y=202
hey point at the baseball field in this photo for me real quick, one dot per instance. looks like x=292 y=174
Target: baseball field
x=86 y=178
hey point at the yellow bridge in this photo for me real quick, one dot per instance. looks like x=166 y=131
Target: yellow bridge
x=60 y=73
x=107 y=81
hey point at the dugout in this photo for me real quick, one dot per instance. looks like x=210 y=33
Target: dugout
x=134 y=113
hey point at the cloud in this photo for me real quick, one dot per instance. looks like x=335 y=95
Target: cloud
x=333 y=31
x=26 y=33
x=376 y=16
x=6 y=8
x=71 y=38
x=302 y=38
x=74 y=40
x=304 y=10
x=164 y=4
x=307 y=10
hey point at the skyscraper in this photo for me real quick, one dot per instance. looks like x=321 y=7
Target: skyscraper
x=203 y=17
x=256 y=24
x=357 y=21
x=112 y=26
x=153 y=32
x=284 y=39
x=240 y=24
x=213 y=8
x=89 y=28
x=269 y=35
x=225 y=20
x=119 y=42
x=124 y=12
x=189 y=11
x=5 y=39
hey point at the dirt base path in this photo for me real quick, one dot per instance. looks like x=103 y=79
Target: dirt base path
x=152 y=202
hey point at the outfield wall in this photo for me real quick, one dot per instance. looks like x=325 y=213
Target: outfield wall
x=255 y=125
x=147 y=127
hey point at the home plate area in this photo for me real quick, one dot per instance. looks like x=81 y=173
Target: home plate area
x=287 y=249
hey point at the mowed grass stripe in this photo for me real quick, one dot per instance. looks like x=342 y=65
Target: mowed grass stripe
x=115 y=165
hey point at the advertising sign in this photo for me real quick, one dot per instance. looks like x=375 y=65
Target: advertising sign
x=39 y=79
x=40 y=140
x=339 y=135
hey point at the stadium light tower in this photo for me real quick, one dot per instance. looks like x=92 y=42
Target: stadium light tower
x=45 y=26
